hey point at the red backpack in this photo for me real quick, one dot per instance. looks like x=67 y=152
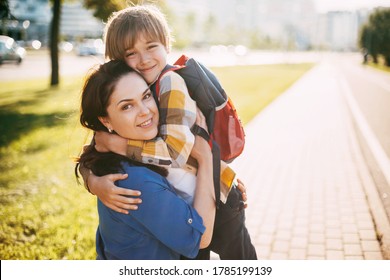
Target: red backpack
x=223 y=123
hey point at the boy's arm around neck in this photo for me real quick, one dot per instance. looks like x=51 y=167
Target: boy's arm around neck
x=173 y=146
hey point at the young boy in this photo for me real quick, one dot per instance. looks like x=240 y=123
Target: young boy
x=140 y=36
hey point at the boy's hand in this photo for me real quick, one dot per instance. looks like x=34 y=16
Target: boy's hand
x=242 y=189
x=118 y=199
x=107 y=142
x=201 y=148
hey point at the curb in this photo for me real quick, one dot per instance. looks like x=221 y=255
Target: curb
x=362 y=128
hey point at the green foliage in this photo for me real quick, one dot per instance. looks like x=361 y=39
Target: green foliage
x=4 y=10
x=375 y=35
x=45 y=213
x=104 y=8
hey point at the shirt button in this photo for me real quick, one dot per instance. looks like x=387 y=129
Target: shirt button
x=190 y=221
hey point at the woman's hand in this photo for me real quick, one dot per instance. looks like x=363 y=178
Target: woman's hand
x=118 y=199
x=107 y=142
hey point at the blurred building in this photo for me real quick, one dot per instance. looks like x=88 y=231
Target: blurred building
x=33 y=18
x=77 y=22
x=342 y=30
x=290 y=23
x=282 y=24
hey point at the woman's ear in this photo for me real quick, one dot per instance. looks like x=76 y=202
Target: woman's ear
x=105 y=122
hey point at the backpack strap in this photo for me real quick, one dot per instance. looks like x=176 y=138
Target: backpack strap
x=216 y=172
x=197 y=130
x=156 y=85
x=179 y=64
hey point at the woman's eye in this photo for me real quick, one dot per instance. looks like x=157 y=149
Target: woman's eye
x=127 y=107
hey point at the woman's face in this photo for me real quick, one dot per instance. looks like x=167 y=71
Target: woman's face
x=132 y=111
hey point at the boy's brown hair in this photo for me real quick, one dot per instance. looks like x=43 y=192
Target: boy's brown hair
x=124 y=27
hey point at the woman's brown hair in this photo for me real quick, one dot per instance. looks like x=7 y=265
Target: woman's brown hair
x=96 y=93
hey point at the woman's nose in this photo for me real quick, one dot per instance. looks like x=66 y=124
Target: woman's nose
x=144 y=109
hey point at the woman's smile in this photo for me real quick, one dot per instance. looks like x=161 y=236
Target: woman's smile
x=146 y=124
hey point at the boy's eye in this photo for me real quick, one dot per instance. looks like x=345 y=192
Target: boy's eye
x=152 y=46
x=129 y=54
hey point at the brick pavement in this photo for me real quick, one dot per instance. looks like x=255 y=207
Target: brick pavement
x=304 y=171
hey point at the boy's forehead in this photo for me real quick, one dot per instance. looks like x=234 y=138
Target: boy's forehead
x=141 y=37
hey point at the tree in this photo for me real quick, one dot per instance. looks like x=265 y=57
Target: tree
x=54 y=40
x=375 y=35
x=369 y=42
x=210 y=29
x=380 y=22
x=4 y=9
x=104 y=8
x=5 y=16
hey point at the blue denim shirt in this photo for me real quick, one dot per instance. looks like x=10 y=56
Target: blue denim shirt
x=163 y=227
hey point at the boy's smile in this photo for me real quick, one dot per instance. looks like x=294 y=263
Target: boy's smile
x=148 y=57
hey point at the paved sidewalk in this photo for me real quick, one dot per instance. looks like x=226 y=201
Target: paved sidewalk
x=306 y=177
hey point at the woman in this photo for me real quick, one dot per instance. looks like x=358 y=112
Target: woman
x=117 y=99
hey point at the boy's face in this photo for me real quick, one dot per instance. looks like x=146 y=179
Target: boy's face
x=147 y=57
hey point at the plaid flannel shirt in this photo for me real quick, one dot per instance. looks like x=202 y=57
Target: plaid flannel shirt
x=172 y=147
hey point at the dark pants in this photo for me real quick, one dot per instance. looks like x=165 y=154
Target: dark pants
x=231 y=240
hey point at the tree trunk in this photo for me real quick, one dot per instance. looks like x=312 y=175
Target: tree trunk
x=54 y=38
x=375 y=58
x=387 y=61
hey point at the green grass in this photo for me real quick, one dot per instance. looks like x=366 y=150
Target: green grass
x=252 y=88
x=45 y=214
x=379 y=66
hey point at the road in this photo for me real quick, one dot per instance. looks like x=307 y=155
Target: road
x=37 y=65
x=371 y=90
x=368 y=95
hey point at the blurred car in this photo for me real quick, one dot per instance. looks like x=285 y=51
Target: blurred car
x=90 y=47
x=10 y=50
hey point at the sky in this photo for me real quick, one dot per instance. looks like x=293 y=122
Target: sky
x=328 y=5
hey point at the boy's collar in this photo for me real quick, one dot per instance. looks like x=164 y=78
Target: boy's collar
x=158 y=76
